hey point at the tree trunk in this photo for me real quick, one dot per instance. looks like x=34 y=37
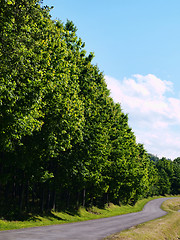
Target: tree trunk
x=21 y=199
x=68 y=199
x=27 y=196
x=77 y=202
x=84 y=197
x=54 y=200
x=42 y=200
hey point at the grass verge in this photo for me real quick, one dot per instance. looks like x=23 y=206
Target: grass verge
x=166 y=227
x=82 y=214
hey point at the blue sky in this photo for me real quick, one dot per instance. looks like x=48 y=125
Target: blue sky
x=136 y=46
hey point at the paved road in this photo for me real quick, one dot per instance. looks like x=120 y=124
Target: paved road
x=88 y=230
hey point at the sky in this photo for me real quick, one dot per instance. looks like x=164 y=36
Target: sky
x=137 y=46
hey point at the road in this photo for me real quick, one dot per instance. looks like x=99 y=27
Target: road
x=88 y=230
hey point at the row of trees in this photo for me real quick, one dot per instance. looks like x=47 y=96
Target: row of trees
x=63 y=141
x=168 y=175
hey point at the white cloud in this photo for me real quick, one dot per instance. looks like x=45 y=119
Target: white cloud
x=153 y=116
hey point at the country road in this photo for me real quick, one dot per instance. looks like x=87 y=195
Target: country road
x=88 y=230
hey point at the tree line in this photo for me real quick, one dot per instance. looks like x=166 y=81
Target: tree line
x=168 y=175
x=64 y=142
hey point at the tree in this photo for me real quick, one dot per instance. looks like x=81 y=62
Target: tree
x=21 y=89
x=153 y=157
x=38 y=94
x=176 y=176
x=165 y=176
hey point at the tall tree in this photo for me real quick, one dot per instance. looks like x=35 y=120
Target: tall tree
x=176 y=176
x=165 y=175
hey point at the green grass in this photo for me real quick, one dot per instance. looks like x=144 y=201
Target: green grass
x=82 y=214
x=167 y=227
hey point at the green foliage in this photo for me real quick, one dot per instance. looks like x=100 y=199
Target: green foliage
x=168 y=178
x=176 y=176
x=63 y=141
x=153 y=157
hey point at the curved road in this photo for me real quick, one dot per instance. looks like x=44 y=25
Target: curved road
x=88 y=230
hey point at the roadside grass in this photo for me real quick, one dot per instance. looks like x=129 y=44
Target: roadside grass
x=166 y=227
x=69 y=216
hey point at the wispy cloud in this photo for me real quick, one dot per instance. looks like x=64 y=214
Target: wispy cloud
x=154 y=112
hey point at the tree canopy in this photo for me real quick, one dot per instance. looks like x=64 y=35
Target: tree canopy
x=63 y=140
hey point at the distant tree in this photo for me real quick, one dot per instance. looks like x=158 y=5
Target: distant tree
x=165 y=176
x=153 y=157
x=177 y=160
x=176 y=176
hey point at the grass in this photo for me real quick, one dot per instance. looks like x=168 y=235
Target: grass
x=164 y=228
x=82 y=214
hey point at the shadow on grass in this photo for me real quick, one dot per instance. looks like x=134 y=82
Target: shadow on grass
x=36 y=216
x=22 y=216
x=72 y=212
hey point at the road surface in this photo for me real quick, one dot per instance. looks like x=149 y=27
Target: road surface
x=88 y=230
